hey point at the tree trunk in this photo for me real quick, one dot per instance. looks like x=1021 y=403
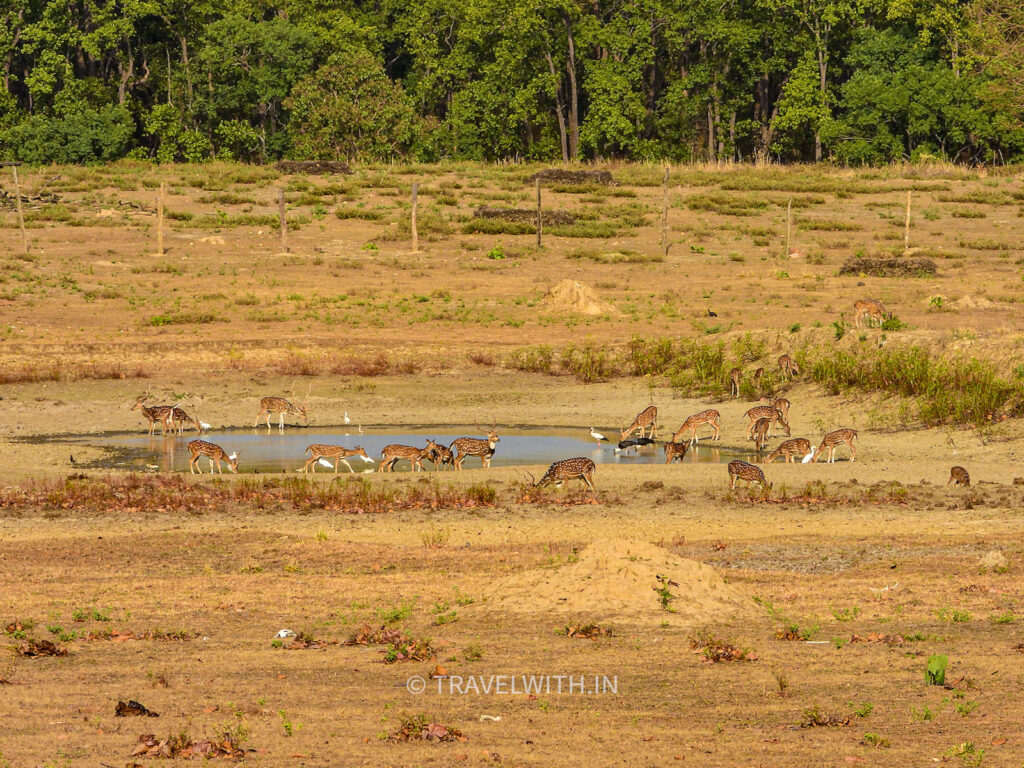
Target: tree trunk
x=559 y=110
x=574 y=113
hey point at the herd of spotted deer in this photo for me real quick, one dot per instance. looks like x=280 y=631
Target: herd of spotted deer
x=762 y=419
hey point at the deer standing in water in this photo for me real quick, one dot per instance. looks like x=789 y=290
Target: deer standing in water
x=214 y=453
x=648 y=417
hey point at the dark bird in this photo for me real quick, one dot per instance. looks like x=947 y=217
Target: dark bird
x=623 y=444
x=644 y=441
x=712 y=314
x=72 y=458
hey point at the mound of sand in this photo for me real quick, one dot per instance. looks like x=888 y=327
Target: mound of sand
x=574 y=296
x=972 y=302
x=615 y=580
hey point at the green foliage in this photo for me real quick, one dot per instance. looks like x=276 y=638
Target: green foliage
x=935 y=671
x=84 y=136
x=349 y=108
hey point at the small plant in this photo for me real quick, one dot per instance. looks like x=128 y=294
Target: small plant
x=1004 y=618
x=814 y=719
x=925 y=714
x=321 y=536
x=782 y=682
x=935 y=672
x=874 y=740
x=289 y=728
x=396 y=613
x=863 y=709
x=443 y=613
x=846 y=614
x=795 y=328
x=840 y=326
x=964 y=708
x=473 y=652
x=496 y=253
x=665 y=596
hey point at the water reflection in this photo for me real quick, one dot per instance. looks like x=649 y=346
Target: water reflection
x=284 y=450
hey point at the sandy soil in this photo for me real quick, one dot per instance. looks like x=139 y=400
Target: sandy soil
x=872 y=566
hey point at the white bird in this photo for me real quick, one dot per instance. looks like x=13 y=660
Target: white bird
x=360 y=429
x=326 y=463
x=285 y=633
x=367 y=471
x=597 y=436
x=366 y=459
x=233 y=456
x=807 y=459
x=347 y=419
x=205 y=426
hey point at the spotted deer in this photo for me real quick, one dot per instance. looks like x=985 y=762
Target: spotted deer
x=563 y=471
x=735 y=377
x=798 y=446
x=674 y=451
x=788 y=366
x=279 y=405
x=710 y=417
x=214 y=453
x=179 y=418
x=758 y=374
x=770 y=412
x=868 y=310
x=833 y=440
x=760 y=432
x=154 y=414
x=781 y=404
x=959 y=476
x=648 y=417
x=474 y=446
x=395 y=452
x=339 y=453
x=741 y=470
x=440 y=455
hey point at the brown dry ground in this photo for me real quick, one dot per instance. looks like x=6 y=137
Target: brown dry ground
x=219 y=323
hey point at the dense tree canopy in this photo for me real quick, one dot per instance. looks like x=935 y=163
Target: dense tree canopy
x=855 y=81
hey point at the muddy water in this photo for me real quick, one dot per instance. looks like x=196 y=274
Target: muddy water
x=277 y=450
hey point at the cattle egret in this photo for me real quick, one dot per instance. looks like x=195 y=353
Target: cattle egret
x=326 y=463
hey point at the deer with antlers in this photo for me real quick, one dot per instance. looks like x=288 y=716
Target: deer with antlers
x=214 y=453
x=473 y=446
x=648 y=417
x=282 y=406
x=179 y=418
x=710 y=418
x=579 y=468
x=339 y=453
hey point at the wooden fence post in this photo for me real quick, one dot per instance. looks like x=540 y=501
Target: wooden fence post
x=415 y=205
x=906 y=226
x=21 y=217
x=540 y=225
x=789 y=224
x=664 y=213
x=284 y=219
x=160 y=220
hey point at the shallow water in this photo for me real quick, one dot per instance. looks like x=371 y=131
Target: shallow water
x=284 y=451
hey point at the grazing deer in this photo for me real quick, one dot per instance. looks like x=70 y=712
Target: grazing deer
x=758 y=374
x=339 y=453
x=675 y=451
x=154 y=414
x=565 y=470
x=760 y=432
x=648 y=417
x=395 y=452
x=869 y=310
x=214 y=453
x=788 y=366
x=735 y=376
x=798 y=446
x=770 y=412
x=473 y=446
x=279 y=405
x=741 y=470
x=710 y=417
x=781 y=404
x=833 y=440
x=959 y=476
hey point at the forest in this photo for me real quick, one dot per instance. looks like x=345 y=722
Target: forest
x=857 y=82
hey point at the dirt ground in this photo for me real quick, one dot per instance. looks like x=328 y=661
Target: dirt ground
x=847 y=578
